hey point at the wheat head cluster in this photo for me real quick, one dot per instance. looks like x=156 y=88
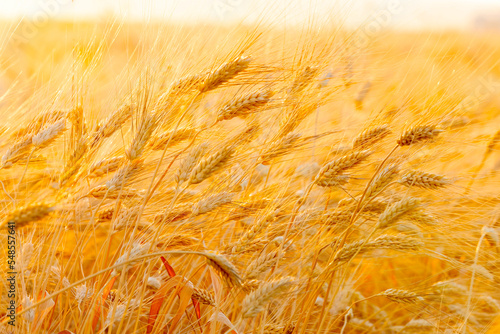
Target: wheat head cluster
x=167 y=179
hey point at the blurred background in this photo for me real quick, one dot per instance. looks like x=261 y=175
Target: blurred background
x=404 y=14
x=45 y=42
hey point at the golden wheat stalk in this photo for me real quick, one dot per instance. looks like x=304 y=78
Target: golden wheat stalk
x=160 y=142
x=331 y=172
x=224 y=73
x=103 y=191
x=396 y=211
x=112 y=123
x=418 y=134
x=382 y=180
x=241 y=106
x=395 y=242
x=302 y=80
x=401 y=296
x=129 y=258
x=279 y=148
x=225 y=268
x=45 y=137
x=260 y=264
x=29 y=213
x=189 y=162
x=178 y=212
x=141 y=138
x=424 y=180
x=104 y=167
x=204 y=296
x=371 y=136
x=211 y=203
x=271 y=328
x=210 y=165
x=17 y=152
x=124 y=174
x=255 y=302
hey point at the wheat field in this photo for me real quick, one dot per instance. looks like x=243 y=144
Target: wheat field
x=249 y=179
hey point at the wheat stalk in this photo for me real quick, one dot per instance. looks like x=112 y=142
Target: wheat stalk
x=112 y=123
x=204 y=296
x=401 y=296
x=29 y=213
x=129 y=258
x=395 y=242
x=424 y=180
x=17 y=152
x=243 y=105
x=418 y=134
x=396 y=211
x=255 y=301
x=371 y=136
x=141 y=138
x=279 y=148
x=124 y=174
x=224 y=73
x=45 y=137
x=105 y=166
x=260 y=264
x=225 y=268
x=160 y=142
x=211 y=203
x=331 y=172
x=208 y=166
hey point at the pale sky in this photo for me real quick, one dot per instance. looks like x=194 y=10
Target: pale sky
x=399 y=13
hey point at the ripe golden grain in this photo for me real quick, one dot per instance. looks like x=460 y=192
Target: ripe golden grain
x=307 y=219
